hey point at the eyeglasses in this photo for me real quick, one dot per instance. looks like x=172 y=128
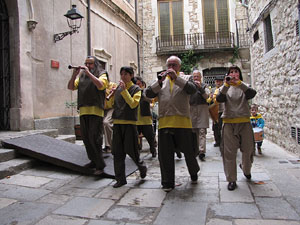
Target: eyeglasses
x=172 y=64
x=88 y=64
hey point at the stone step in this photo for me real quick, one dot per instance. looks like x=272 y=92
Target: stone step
x=15 y=166
x=7 y=154
x=68 y=138
x=15 y=134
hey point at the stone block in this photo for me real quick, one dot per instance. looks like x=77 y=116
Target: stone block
x=62 y=220
x=85 y=207
x=24 y=193
x=26 y=181
x=25 y=213
x=234 y=210
x=172 y=213
x=143 y=198
x=276 y=208
x=240 y=194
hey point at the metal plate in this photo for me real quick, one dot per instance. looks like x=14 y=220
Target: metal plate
x=62 y=153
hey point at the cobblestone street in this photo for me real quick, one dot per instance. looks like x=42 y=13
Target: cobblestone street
x=47 y=194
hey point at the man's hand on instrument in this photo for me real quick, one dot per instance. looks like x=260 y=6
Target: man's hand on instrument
x=172 y=74
x=198 y=83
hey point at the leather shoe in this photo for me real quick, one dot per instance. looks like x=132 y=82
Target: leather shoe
x=98 y=172
x=216 y=145
x=194 y=179
x=179 y=155
x=143 y=171
x=90 y=165
x=231 y=186
x=153 y=154
x=202 y=156
x=247 y=176
x=119 y=184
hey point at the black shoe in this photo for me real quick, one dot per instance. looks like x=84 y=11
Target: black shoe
x=216 y=145
x=167 y=189
x=90 y=165
x=247 y=176
x=179 y=155
x=143 y=171
x=98 y=172
x=202 y=156
x=259 y=150
x=194 y=179
x=231 y=186
x=106 y=149
x=119 y=184
x=153 y=154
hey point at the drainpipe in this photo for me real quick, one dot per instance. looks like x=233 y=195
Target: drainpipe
x=138 y=38
x=299 y=16
x=31 y=23
x=88 y=29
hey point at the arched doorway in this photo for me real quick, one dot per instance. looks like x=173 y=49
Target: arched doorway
x=4 y=68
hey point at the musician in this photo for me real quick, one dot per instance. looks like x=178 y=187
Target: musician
x=199 y=113
x=144 y=123
x=237 y=130
x=108 y=111
x=91 y=82
x=217 y=125
x=125 y=136
x=175 y=127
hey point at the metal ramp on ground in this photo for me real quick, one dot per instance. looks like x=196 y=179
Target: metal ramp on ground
x=62 y=153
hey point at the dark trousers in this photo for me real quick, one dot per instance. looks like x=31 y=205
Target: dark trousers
x=125 y=141
x=91 y=127
x=217 y=129
x=147 y=131
x=170 y=139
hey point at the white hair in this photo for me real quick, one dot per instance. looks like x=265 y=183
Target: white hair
x=174 y=57
x=198 y=71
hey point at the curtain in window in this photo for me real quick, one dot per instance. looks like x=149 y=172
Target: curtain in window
x=171 y=20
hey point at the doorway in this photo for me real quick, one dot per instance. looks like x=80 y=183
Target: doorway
x=4 y=68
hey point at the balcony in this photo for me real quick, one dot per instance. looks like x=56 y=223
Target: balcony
x=199 y=42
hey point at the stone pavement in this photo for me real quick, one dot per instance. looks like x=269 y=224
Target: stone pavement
x=49 y=195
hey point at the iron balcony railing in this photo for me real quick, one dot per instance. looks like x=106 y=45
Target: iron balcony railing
x=195 y=42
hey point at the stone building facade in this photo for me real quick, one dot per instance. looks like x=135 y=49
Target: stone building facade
x=193 y=19
x=275 y=68
x=34 y=73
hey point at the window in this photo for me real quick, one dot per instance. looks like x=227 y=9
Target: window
x=215 y=19
x=255 y=36
x=268 y=34
x=170 y=18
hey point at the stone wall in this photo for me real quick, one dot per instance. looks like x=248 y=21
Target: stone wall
x=275 y=73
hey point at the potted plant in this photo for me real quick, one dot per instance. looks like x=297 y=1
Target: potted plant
x=73 y=106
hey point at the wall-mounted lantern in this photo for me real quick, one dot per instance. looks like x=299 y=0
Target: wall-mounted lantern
x=74 y=19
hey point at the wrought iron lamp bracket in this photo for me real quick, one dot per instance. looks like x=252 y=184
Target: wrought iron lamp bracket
x=60 y=36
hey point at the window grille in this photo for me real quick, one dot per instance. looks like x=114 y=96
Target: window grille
x=298 y=136
x=268 y=34
x=293 y=132
x=209 y=75
x=297 y=27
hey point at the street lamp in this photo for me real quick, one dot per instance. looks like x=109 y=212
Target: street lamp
x=74 y=19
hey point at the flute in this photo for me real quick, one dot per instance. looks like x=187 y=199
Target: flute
x=112 y=93
x=74 y=67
